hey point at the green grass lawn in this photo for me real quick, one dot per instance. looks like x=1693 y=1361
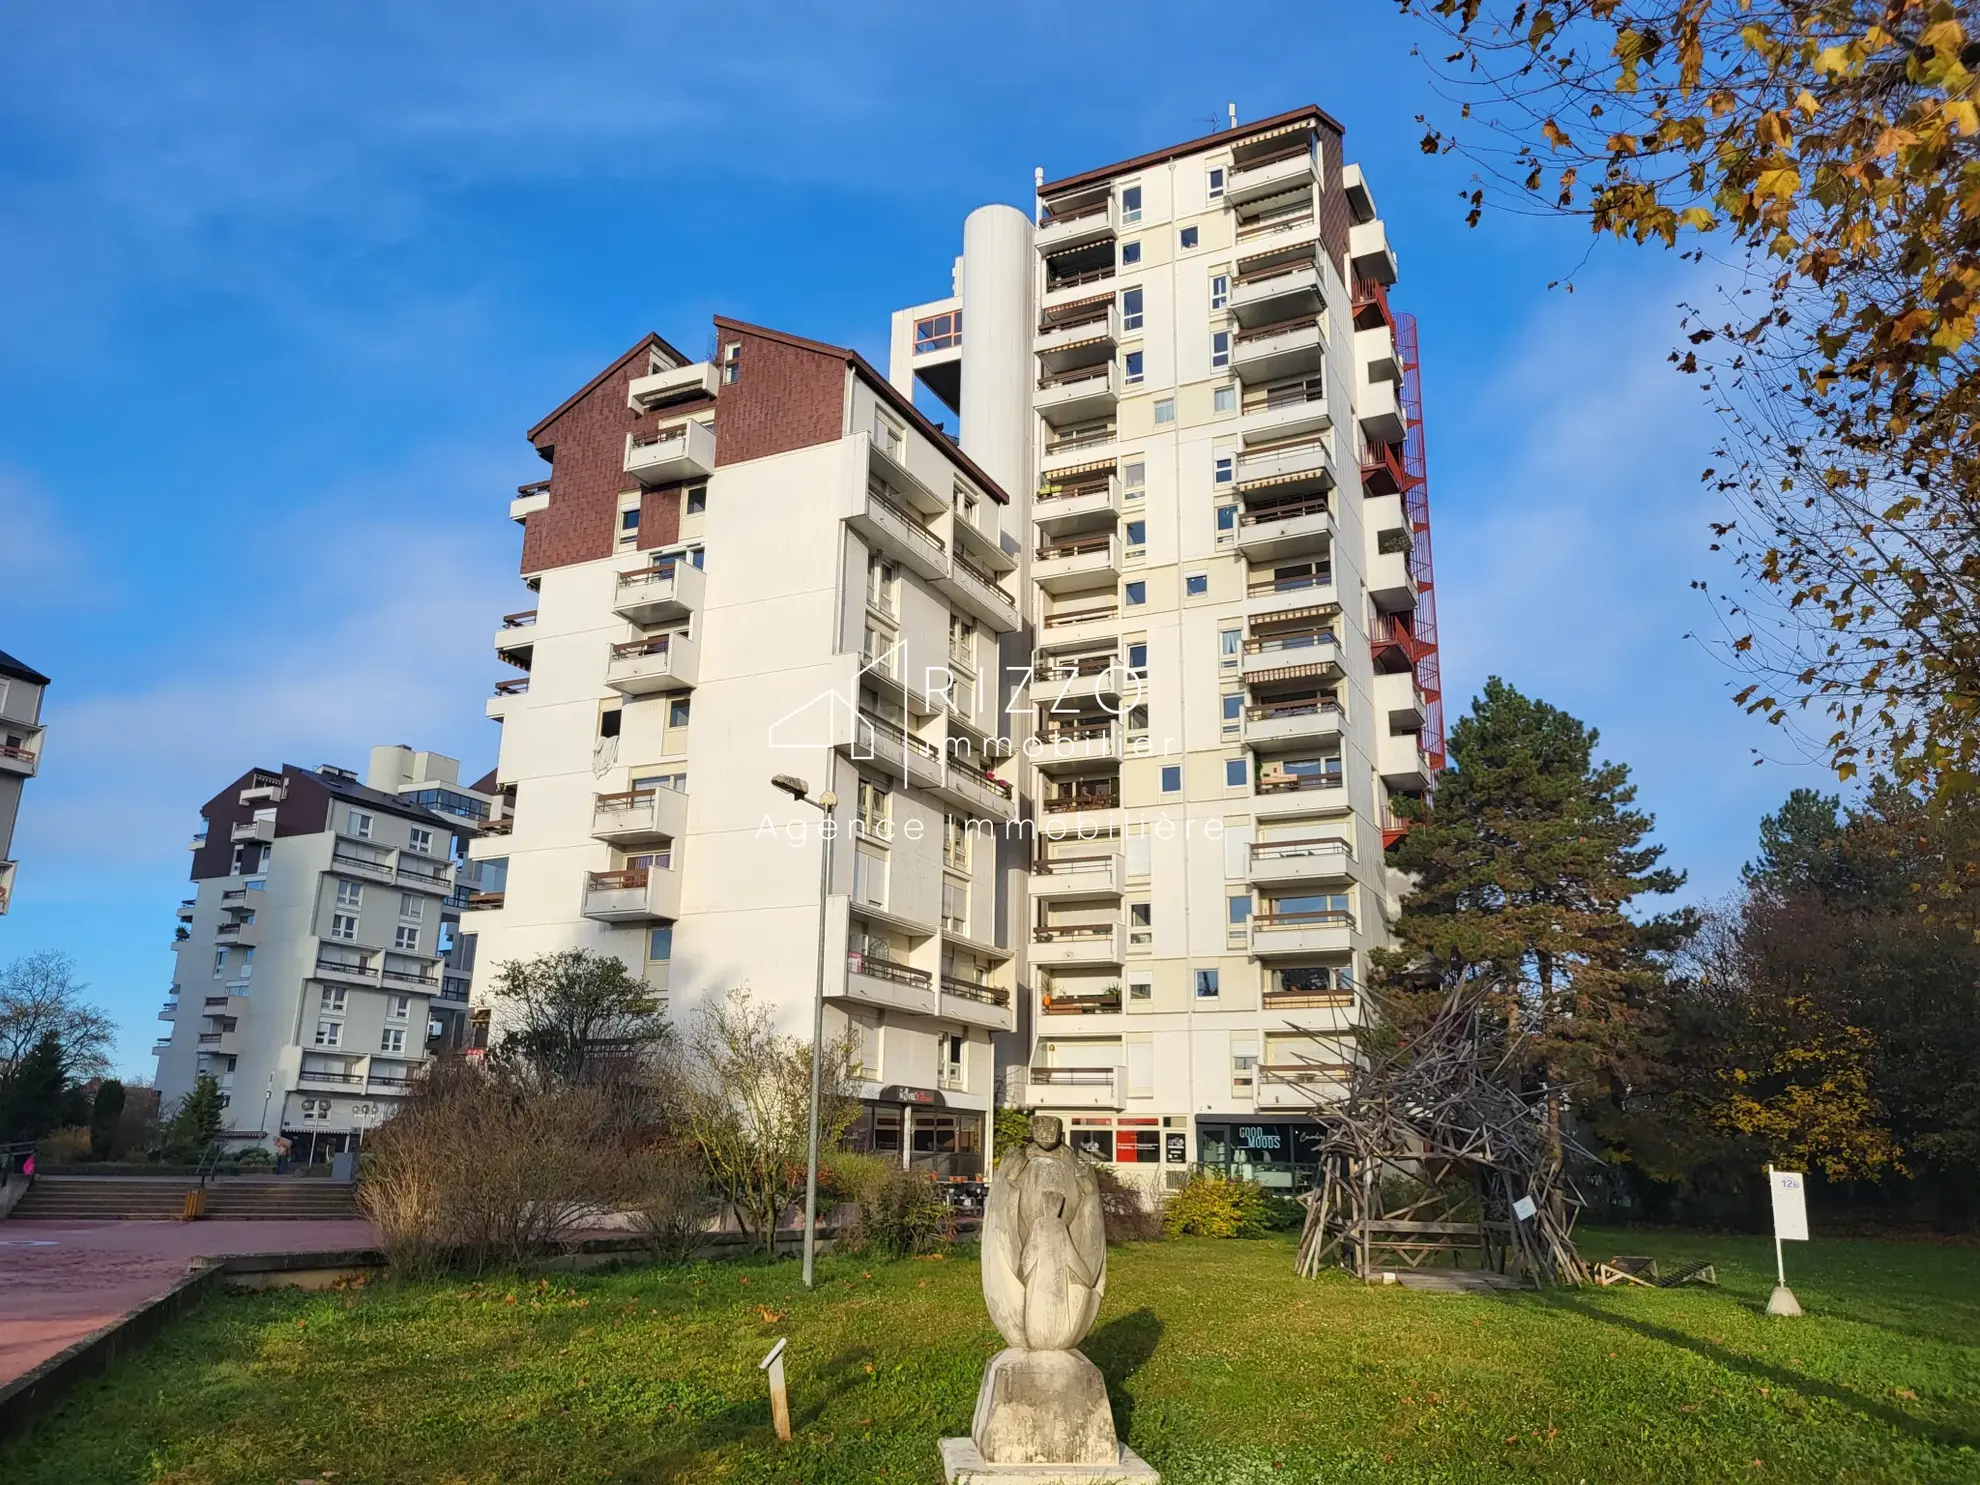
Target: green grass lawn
x=1225 y=1369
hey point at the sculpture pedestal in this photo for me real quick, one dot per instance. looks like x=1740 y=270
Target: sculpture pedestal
x=1043 y=1407
x=963 y=1465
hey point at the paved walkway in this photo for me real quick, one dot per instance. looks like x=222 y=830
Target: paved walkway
x=59 y=1281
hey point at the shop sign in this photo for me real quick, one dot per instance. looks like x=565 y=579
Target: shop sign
x=1175 y=1147
x=900 y=1093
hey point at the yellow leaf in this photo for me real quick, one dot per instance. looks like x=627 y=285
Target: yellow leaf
x=1698 y=219
x=1555 y=136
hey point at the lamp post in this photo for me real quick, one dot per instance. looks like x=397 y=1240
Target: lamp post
x=825 y=803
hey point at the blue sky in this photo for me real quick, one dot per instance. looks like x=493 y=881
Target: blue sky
x=284 y=289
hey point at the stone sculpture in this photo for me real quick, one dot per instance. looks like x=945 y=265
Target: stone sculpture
x=1042 y=1414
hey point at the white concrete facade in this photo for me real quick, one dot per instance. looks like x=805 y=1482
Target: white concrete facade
x=21 y=737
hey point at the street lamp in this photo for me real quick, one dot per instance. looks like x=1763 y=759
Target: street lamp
x=826 y=802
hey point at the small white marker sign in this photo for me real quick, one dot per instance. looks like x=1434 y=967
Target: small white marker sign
x=1524 y=1209
x=1790 y=1205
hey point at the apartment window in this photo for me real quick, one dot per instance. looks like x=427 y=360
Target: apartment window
x=871 y=818
x=1134 y=479
x=1141 y=988
x=239 y=864
x=1165 y=411
x=731 y=363
x=1137 y=721
x=609 y=722
x=1220 y=290
x=677 y=711
x=1220 y=348
x=1130 y=203
x=1214 y=184
x=964 y=502
x=1136 y=594
x=1235 y=773
x=343 y=925
x=882 y=578
x=1196 y=584
x=406 y=936
x=1227 y=520
x=1137 y=661
x=955 y=906
x=660 y=944
x=1206 y=984
x=886 y=436
x=1172 y=778
x=350 y=894
x=1131 y=309
x=329 y=1033
x=955 y=842
x=392 y=1039
x=1134 y=361
x=869 y=878
x=331 y=1001
x=1130 y=254
x=261 y=859
x=358 y=823
x=1233 y=715
x=1141 y=924
x=420 y=840
x=628 y=520
x=1137 y=535
x=697 y=500
x=1188 y=237
x=412 y=907
x=1223 y=399
x=398 y=1007
x=695 y=556
x=247 y=962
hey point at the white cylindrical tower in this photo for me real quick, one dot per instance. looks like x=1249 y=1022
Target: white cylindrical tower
x=998 y=273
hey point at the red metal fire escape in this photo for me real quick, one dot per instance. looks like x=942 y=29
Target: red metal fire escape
x=1390 y=469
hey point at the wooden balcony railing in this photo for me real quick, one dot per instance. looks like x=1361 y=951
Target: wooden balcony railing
x=539 y=487
x=1096 y=372
x=486 y=899
x=1081 y=1005
x=1056 y=281
x=1284 y=510
x=975 y=990
x=516 y=687
x=1071 y=932
x=658 y=572
x=886 y=969
x=1272 y=711
x=1064 y=804
x=1279 y=327
x=1266 y=273
x=1071 y=1077
x=635 y=648
x=1293 y=783
x=524 y=620
x=1309 y=1000
x=1264 y=586
x=1058 y=218
x=1326 y=918
x=631 y=879
x=1078 y=547
x=1070 y=667
x=19 y=755
x=1298 y=639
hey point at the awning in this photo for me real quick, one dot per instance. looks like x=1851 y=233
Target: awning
x=1074 y=345
x=1302 y=126
x=1071 y=471
x=1287 y=615
x=1272 y=259
x=1292 y=673
x=1074 y=304
x=1322 y=472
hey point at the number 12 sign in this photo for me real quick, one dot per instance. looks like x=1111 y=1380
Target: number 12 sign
x=1790 y=1205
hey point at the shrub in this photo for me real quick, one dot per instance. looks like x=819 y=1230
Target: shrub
x=63 y=1147
x=670 y=1200
x=1007 y=1131
x=1215 y=1206
x=855 y=1175
x=1284 y=1213
x=902 y=1215
x=1130 y=1211
x=254 y=1158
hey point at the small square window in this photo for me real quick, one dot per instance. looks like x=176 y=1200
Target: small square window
x=1131 y=203
x=660 y=944
x=1137 y=594
x=1130 y=254
x=1189 y=237
x=677 y=712
x=1220 y=290
x=1223 y=469
x=697 y=500
x=1206 y=984
x=420 y=840
x=1134 y=476
x=1239 y=910
x=360 y=824
x=629 y=519
x=1141 y=989
x=1137 y=660
x=1165 y=411
x=1137 y=533
x=1220 y=348
x=1234 y=773
x=1172 y=778
x=1134 y=368
x=1224 y=399
x=1227 y=518
x=1233 y=708
x=1196 y=584
x=406 y=936
x=1215 y=186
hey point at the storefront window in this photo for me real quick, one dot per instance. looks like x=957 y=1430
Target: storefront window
x=1138 y=1142
x=1093 y=1139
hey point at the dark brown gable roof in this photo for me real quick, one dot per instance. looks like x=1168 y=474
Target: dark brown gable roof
x=650 y=339
x=1177 y=151
x=885 y=388
x=10 y=666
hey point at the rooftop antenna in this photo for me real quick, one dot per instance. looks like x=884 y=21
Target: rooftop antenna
x=1232 y=107
x=1037 y=185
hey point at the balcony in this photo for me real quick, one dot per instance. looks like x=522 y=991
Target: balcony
x=529 y=500
x=170 y=1010
x=677 y=384
x=1080 y=814
x=1079 y=394
x=1391 y=584
x=1308 y=719
x=1369 y=253
x=647 y=667
x=1401 y=762
x=886 y=741
x=1282 y=219
x=247 y=935
x=683 y=452
x=323 y=1077
x=1400 y=699
x=1076 y=562
x=1277 y=286
x=498 y=704
x=375 y=867
x=1075 y=683
x=252 y=830
x=1285 y=410
x=1285 y=528
x=643 y=894
x=361 y=969
x=665 y=592
x=1380 y=413
x=639 y=817
x=1071 y=746
x=1088 y=499
x=426 y=875
x=884 y=982
x=1301 y=933
x=1322 y=858
x=1077 y=943
x=1298 y=793
x=975 y=1004
x=1077 y=449
x=486 y=901
x=1077 y=226
x=426 y=978
x=23 y=758
x=1072 y=1088
x=1069 y=877
x=1294 y=465
x=1085 y=330
x=1309 y=1000
x=1300 y=1085
x=973 y=590
x=1079 y=623
x=1293 y=650
x=1375 y=353
x=1280 y=349
x=1074 y=275
x=900 y=533
x=1283 y=169
x=986 y=797
x=1101 y=1003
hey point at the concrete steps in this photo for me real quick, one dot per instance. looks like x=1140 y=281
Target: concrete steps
x=162 y=1198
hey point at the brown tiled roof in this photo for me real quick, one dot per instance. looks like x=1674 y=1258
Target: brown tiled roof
x=649 y=339
x=1194 y=146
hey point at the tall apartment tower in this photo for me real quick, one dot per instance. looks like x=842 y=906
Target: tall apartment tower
x=765 y=563
x=311 y=978
x=1185 y=369
x=21 y=732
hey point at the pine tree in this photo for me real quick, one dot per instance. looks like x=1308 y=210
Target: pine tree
x=196 y=1124
x=1526 y=861
x=34 y=1097
x=104 y=1116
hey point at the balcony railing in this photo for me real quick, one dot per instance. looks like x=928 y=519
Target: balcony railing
x=1285 y=510
x=341 y=1079
x=1305 y=1072
x=362 y=863
x=907 y=518
x=973 y=990
x=1078 y=732
x=1279 y=219
x=886 y=969
x=615 y=881
x=1325 y=918
x=428 y=876
x=410 y=977
x=964 y=565
x=1265 y=586
x=1248 y=276
x=1053 y=218
x=1287 y=394
x=524 y=620
x=1293 y=783
x=1091 y=439
x=1055 y=282
x=517 y=687
x=1063 y=804
x=1309 y=1000
x=1071 y=1077
x=1071 y=932
x=1099 y=370
x=1081 y=1005
x=1298 y=639
x=19 y=755
x=1071 y=667
x=486 y=899
x=1278 y=327
x=361 y=968
x=539 y=487
x=1076 y=548
x=636 y=648
x=1273 y=711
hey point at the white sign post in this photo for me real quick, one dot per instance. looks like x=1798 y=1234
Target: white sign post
x=1790 y=1225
